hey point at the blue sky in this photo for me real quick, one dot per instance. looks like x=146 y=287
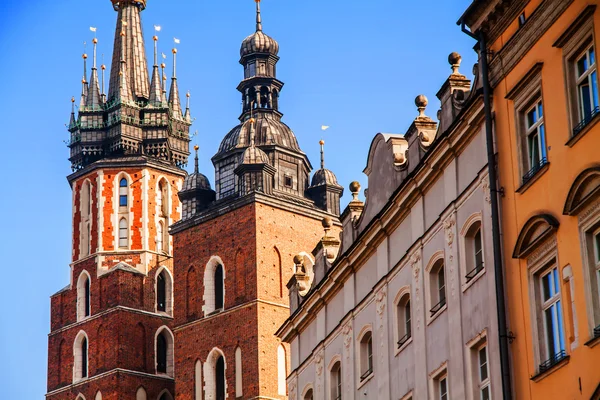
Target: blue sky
x=353 y=65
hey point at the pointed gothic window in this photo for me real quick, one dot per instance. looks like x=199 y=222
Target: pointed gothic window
x=220 y=378
x=123 y=234
x=83 y=296
x=161 y=293
x=80 y=353
x=123 y=193
x=161 y=354
x=219 y=300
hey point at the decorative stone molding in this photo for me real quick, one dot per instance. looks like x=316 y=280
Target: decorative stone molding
x=485 y=186
x=319 y=362
x=448 y=228
x=542 y=251
x=591 y=211
x=380 y=301
x=292 y=389
x=414 y=265
x=347 y=331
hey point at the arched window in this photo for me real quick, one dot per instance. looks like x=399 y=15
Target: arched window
x=239 y=389
x=98 y=395
x=198 y=381
x=123 y=193
x=164 y=291
x=83 y=296
x=85 y=212
x=220 y=378
x=219 y=292
x=335 y=382
x=281 y=371
x=366 y=355
x=159 y=237
x=473 y=251
x=403 y=318
x=165 y=395
x=141 y=394
x=123 y=234
x=164 y=352
x=437 y=287
x=308 y=395
x=80 y=354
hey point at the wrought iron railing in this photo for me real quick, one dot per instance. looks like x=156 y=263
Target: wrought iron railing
x=552 y=361
x=403 y=340
x=534 y=170
x=586 y=120
x=366 y=374
x=438 y=307
x=473 y=273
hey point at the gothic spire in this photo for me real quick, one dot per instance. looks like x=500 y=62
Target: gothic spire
x=93 y=99
x=103 y=68
x=72 y=120
x=196 y=169
x=188 y=116
x=129 y=48
x=155 y=86
x=123 y=94
x=258 y=17
x=174 y=100
x=322 y=143
x=84 y=84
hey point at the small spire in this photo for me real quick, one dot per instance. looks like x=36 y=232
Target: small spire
x=84 y=85
x=93 y=99
x=322 y=143
x=258 y=17
x=252 y=132
x=123 y=88
x=196 y=170
x=188 y=116
x=103 y=68
x=156 y=90
x=72 y=121
x=174 y=100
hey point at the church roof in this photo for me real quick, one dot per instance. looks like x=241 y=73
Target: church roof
x=324 y=177
x=259 y=42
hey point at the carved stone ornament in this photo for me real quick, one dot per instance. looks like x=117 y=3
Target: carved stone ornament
x=293 y=390
x=542 y=251
x=588 y=212
x=485 y=186
x=319 y=362
x=347 y=331
x=448 y=228
x=414 y=261
x=380 y=301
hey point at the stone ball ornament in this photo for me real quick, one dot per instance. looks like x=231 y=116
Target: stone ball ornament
x=421 y=101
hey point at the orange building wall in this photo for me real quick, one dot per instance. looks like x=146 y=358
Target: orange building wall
x=546 y=195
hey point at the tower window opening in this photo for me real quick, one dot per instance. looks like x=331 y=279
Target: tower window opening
x=123 y=234
x=161 y=354
x=288 y=182
x=220 y=378
x=219 y=300
x=161 y=293
x=123 y=193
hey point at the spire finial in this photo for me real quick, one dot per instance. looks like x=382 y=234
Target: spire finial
x=258 y=17
x=103 y=68
x=252 y=121
x=95 y=41
x=196 y=170
x=84 y=56
x=322 y=143
x=73 y=105
x=174 y=63
x=155 y=38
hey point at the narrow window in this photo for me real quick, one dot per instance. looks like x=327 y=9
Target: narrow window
x=309 y=395
x=161 y=292
x=403 y=318
x=443 y=388
x=536 y=140
x=522 y=19
x=84 y=358
x=288 y=181
x=123 y=234
x=123 y=193
x=366 y=356
x=239 y=389
x=474 y=249
x=587 y=85
x=336 y=382
x=220 y=378
x=198 y=381
x=437 y=287
x=161 y=353
x=159 y=237
x=87 y=297
x=281 y=371
x=484 y=376
x=219 y=300
x=553 y=341
x=159 y=199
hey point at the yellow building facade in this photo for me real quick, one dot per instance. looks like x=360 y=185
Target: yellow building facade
x=543 y=72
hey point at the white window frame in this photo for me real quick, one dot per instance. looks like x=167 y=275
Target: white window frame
x=484 y=382
x=335 y=383
x=78 y=373
x=84 y=277
x=401 y=322
x=537 y=129
x=123 y=234
x=433 y=287
x=170 y=351
x=586 y=77
x=552 y=303
x=468 y=262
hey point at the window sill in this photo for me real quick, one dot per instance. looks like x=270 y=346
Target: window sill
x=438 y=313
x=364 y=381
x=472 y=281
x=595 y=339
x=575 y=138
x=551 y=370
x=533 y=179
x=404 y=345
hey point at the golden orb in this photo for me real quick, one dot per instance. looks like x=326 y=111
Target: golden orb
x=84 y=56
x=187 y=95
x=155 y=38
x=72 y=99
x=174 y=51
x=103 y=67
x=252 y=120
x=163 y=65
x=196 y=147
x=95 y=41
x=321 y=142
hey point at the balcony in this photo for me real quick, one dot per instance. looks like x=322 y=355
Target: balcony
x=552 y=361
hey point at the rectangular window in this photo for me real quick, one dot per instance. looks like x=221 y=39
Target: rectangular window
x=587 y=85
x=288 y=182
x=443 y=388
x=553 y=341
x=536 y=140
x=484 y=376
x=442 y=286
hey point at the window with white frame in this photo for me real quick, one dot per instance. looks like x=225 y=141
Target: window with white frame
x=474 y=251
x=587 y=84
x=123 y=233
x=441 y=387
x=403 y=318
x=335 y=382
x=550 y=317
x=164 y=351
x=83 y=296
x=366 y=355
x=593 y=261
x=281 y=371
x=123 y=193
x=219 y=288
x=80 y=353
x=483 y=373
x=535 y=137
x=164 y=291
x=437 y=286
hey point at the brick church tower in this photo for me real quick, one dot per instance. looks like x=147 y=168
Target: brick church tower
x=234 y=246
x=111 y=328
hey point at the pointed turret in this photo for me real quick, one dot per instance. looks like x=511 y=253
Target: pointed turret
x=72 y=120
x=84 y=84
x=123 y=94
x=324 y=188
x=188 y=116
x=94 y=100
x=156 y=91
x=129 y=48
x=103 y=68
x=174 y=100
